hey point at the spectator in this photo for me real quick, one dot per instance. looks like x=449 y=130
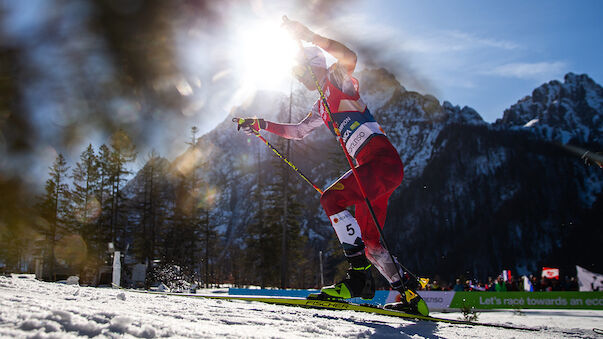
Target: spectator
x=490 y=285
x=458 y=287
x=556 y=285
x=513 y=285
x=573 y=284
x=535 y=283
x=545 y=285
x=500 y=285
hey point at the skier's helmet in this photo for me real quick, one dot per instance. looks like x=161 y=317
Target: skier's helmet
x=312 y=56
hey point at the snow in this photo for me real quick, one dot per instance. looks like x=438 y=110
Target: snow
x=30 y=308
x=531 y=123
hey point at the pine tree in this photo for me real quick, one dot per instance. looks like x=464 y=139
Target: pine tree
x=275 y=226
x=203 y=238
x=259 y=240
x=148 y=209
x=285 y=199
x=193 y=229
x=178 y=236
x=87 y=207
x=123 y=151
x=283 y=215
x=53 y=208
x=208 y=235
x=103 y=193
x=188 y=239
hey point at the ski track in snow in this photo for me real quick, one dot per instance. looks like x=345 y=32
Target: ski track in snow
x=34 y=309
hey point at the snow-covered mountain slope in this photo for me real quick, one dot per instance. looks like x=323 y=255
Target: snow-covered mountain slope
x=564 y=112
x=30 y=308
x=412 y=120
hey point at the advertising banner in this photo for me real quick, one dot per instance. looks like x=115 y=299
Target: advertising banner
x=536 y=300
x=445 y=300
x=436 y=300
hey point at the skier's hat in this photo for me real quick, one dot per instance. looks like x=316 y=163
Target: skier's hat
x=312 y=56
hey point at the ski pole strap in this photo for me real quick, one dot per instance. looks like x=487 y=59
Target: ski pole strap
x=363 y=268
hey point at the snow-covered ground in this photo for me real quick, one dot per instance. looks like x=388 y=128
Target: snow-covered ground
x=30 y=308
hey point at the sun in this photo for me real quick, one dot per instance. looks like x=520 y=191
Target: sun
x=265 y=54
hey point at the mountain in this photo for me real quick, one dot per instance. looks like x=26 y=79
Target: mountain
x=476 y=197
x=504 y=196
x=568 y=112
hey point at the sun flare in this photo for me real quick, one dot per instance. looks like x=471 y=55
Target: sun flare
x=265 y=54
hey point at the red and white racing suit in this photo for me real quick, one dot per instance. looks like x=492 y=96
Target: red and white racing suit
x=379 y=167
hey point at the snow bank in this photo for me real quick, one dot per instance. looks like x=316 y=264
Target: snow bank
x=29 y=308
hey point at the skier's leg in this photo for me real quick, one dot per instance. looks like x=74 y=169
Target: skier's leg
x=387 y=264
x=358 y=281
x=334 y=201
x=352 y=233
x=379 y=175
x=374 y=250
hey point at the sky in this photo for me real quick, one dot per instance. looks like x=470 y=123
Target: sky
x=482 y=54
x=486 y=55
x=489 y=54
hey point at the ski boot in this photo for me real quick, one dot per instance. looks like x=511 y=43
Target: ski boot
x=410 y=301
x=357 y=283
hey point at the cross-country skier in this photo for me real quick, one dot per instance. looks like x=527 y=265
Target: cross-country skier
x=379 y=168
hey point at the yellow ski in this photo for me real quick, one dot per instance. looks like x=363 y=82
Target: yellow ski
x=336 y=305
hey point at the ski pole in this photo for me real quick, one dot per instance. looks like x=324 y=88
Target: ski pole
x=297 y=170
x=584 y=154
x=350 y=162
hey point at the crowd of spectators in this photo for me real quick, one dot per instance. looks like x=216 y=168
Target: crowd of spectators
x=511 y=285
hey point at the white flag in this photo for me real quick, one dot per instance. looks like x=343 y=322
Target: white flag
x=589 y=281
x=527 y=284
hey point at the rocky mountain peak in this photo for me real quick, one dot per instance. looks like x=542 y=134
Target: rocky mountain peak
x=560 y=111
x=465 y=115
x=377 y=86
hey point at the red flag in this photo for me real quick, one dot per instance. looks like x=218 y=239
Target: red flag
x=550 y=273
x=506 y=274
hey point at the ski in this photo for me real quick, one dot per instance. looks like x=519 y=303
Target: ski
x=337 y=305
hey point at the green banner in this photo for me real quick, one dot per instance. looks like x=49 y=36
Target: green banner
x=536 y=300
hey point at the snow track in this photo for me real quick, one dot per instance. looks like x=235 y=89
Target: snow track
x=29 y=308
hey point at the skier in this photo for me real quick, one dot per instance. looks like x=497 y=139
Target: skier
x=379 y=168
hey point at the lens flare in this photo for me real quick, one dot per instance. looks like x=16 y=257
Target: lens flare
x=189 y=161
x=71 y=249
x=210 y=197
x=265 y=54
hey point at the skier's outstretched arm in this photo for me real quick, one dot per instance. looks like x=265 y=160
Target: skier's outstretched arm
x=290 y=131
x=345 y=56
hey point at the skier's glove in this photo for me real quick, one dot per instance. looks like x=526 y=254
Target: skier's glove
x=297 y=29
x=250 y=125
